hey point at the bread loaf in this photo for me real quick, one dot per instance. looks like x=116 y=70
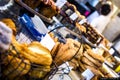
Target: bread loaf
x=16 y=67
x=67 y=51
x=42 y=53
x=97 y=63
x=96 y=56
x=34 y=52
x=39 y=71
x=88 y=62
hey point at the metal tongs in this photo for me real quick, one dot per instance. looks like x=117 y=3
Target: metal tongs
x=80 y=36
x=48 y=20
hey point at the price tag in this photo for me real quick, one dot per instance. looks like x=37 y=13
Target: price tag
x=111 y=51
x=69 y=12
x=74 y=16
x=39 y=25
x=47 y=42
x=82 y=21
x=88 y=74
x=60 y=3
x=5 y=37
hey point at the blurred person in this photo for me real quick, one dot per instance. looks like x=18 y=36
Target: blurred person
x=101 y=21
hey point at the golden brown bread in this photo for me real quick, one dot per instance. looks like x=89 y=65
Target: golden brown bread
x=86 y=46
x=67 y=51
x=96 y=56
x=88 y=62
x=53 y=37
x=34 y=52
x=74 y=63
x=38 y=54
x=106 y=43
x=103 y=71
x=97 y=63
x=80 y=53
x=80 y=27
x=55 y=49
x=81 y=66
x=16 y=67
x=48 y=11
x=95 y=77
x=39 y=71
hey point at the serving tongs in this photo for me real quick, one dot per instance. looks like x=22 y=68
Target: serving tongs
x=80 y=37
x=48 y=20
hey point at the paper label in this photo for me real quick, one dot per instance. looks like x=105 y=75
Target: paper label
x=74 y=16
x=82 y=21
x=39 y=25
x=88 y=74
x=5 y=36
x=60 y=3
x=48 y=42
x=111 y=51
x=23 y=38
x=69 y=12
x=66 y=68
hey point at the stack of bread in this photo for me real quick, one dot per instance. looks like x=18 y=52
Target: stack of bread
x=85 y=58
x=35 y=60
x=25 y=59
x=65 y=52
